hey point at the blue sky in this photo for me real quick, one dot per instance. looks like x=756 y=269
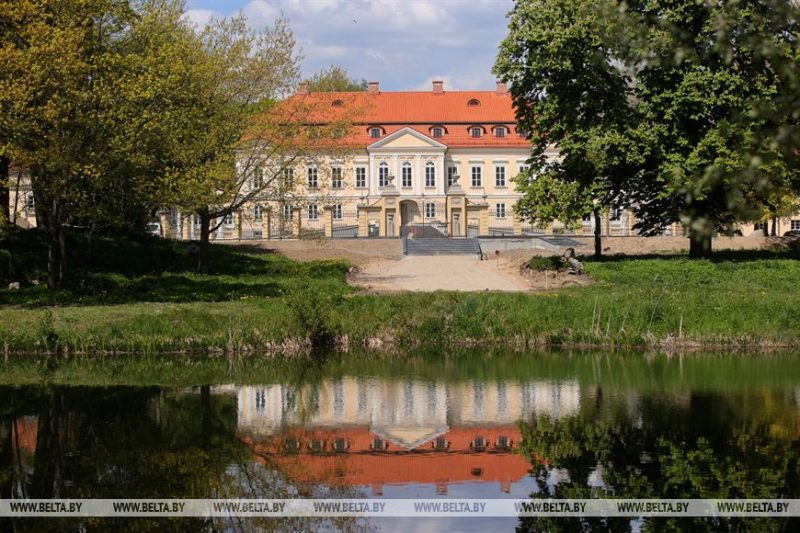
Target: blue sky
x=403 y=44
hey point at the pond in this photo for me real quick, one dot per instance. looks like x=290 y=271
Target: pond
x=470 y=425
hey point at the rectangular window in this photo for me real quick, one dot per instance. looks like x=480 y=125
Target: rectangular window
x=228 y=220
x=430 y=210
x=258 y=178
x=451 y=174
x=257 y=212
x=500 y=210
x=795 y=225
x=383 y=175
x=616 y=213
x=361 y=177
x=336 y=177
x=522 y=169
x=287 y=212
x=313 y=178
x=477 y=178
x=499 y=176
x=406 y=176
x=430 y=175
x=313 y=212
x=30 y=203
x=336 y=211
x=288 y=178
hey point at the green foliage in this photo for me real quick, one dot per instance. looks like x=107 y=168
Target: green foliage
x=334 y=79
x=685 y=111
x=144 y=296
x=542 y=263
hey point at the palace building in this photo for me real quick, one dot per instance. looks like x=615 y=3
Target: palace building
x=415 y=163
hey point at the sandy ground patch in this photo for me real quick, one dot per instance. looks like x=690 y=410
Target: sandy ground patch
x=443 y=272
x=357 y=251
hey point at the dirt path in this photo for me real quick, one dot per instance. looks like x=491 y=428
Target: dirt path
x=430 y=273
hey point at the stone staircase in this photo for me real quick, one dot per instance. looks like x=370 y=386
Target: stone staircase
x=441 y=247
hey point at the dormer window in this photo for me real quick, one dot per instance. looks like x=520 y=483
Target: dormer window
x=437 y=132
x=475 y=132
x=522 y=133
x=500 y=132
x=337 y=103
x=375 y=133
x=474 y=102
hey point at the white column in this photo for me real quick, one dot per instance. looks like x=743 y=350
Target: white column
x=372 y=177
x=441 y=175
x=418 y=175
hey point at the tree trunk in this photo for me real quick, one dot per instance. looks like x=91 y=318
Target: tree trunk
x=50 y=217
x=774 y=231
x=47 y=457
x=766 y=227
x=699 y=245
x=56 y=246
x=5 y=215
x=205 y=233
x=598 y=241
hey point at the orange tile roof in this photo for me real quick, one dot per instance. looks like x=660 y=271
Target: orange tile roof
x=419 y=110
x=396 y=466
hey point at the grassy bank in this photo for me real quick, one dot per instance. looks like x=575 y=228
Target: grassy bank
x=143 y=296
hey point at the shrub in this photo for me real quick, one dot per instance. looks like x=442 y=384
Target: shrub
x=541 y=264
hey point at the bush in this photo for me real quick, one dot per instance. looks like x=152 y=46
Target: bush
x=542 y=264
x=5 y=267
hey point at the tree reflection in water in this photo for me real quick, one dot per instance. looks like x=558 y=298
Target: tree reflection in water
x=692 y=445
x=61 y=442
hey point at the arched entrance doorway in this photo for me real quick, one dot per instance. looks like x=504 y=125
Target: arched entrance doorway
x=409 y=216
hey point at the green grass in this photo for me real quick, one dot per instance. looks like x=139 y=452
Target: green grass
x=144 y=296
x=619 y=371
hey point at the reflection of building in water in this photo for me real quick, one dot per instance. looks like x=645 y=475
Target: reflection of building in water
x=353 y=431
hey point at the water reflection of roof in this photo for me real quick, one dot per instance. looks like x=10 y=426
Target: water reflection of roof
x=359 y=456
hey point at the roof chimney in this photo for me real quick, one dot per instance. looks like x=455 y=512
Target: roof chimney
x=501 y=88
x=303 y=88
x=374 y=87
x=438 y=86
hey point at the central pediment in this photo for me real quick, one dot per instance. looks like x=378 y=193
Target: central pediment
x=407 y=138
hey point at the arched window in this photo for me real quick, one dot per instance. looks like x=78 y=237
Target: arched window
x=406 y=178
x=474 y=102
x=430 y=175
x=383 y=174
x=475 y=132
x=375 y=132
x=437 y=132
x=500 y=131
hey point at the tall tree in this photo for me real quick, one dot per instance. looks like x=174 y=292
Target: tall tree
x=334 y=79
x=702 y=127
x=51 y=83
x=244 y=133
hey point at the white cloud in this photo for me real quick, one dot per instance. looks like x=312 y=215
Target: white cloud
x=398 y=42
x=377 y=57
x=427 y=12
x=260 y=13
x=200 y=17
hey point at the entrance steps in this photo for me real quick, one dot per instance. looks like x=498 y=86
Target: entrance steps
x=441 y=247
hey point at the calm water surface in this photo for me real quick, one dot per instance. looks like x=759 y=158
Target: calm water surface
x=516 y=427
